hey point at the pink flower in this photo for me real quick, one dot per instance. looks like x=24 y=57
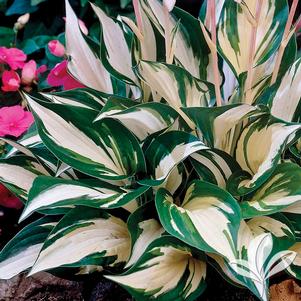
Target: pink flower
x=82 y=26
x=30 y=72
x=14 y=121
x=59 y=76
x=14 y=57
x=11 y=81
x=7 y=199
x=56 y=48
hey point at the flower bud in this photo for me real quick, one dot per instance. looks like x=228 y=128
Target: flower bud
x=21 y=22
x=24 y=19
x=56 y=48
x=29 y=73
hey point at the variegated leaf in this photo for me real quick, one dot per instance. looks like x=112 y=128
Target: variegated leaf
x=295 y=268
x=234 y=37
x=144 y=229
x=207 y=219
x=286 y=101
x=294 y=219
x=22 y=251
x=214 y=166
x=281 y=190
x=18 y=173
x=220 y=125
x=278 y=225
x=84 y=64
x=259 y=148
x=244 y=237
x=16 y=147
x=30 y=140
x=294 y=208
x=177 y=180
x=176 y=86
x=85 y=236
x=191 y=50
x=166 y=151
x=48 y=162
x=32 y=145
x=204 y=13
x=230 y=85
x=145 y=119
x=263 y=260
x=145 y=33
x=168 y=270
x=262 y=242
x=114 y=43
x=221 y=265
x=116 y=104
x=49 y=193
x=64 y=171
x=86 y=98
x=253 y=259
x=106 y=151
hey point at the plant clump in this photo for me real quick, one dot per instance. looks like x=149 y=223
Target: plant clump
x=181 y=150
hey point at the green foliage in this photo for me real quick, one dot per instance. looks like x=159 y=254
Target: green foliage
x=6 y=36
x=143 y=176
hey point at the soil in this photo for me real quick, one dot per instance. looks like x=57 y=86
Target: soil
x=45 y=287
x=42 y=286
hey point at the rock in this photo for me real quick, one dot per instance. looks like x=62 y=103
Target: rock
x=41 y=286
x=287 y=290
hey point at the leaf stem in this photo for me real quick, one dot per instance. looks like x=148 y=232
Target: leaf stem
x=252 y=52
x=138 y=15
x=285 y=40
x=169 y=57
x=212 y=13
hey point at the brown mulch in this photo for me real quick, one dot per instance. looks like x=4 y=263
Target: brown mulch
x=287 y=290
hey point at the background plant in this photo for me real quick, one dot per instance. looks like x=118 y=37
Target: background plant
x=182 y=151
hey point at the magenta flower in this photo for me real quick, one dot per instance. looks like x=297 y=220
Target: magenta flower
x=14 y=121
x=11 y=81
x=59 y=76
x=14 y=57
x=56 y=48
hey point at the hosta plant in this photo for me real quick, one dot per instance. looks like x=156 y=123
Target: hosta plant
x=182 y=151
